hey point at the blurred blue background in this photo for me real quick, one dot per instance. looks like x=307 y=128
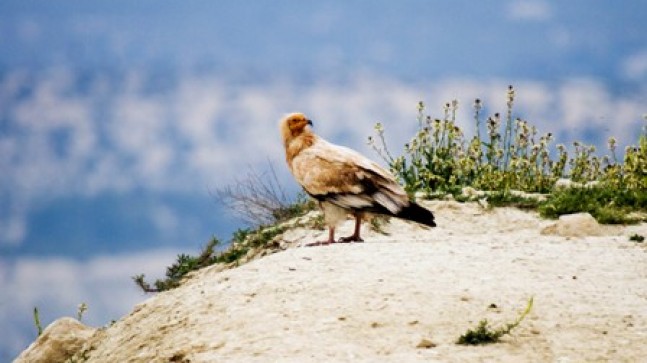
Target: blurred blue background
x=118 y=119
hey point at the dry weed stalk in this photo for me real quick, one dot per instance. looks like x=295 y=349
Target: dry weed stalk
x=257 y=198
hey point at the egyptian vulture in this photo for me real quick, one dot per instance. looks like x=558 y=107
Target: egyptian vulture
x=343 y=181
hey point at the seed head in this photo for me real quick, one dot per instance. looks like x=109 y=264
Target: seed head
x=510 y=94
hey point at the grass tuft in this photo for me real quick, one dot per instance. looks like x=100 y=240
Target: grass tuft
x=484 y=334
x=607 y=205
x=244 y=244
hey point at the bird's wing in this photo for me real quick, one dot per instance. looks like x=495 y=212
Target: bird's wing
x=347 y=179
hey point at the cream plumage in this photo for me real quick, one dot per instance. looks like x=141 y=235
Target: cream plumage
x=344 y=181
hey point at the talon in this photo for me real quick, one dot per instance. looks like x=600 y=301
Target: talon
x=350 y=239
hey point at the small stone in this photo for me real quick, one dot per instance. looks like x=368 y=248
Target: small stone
x=578 y=225
x=426 y=344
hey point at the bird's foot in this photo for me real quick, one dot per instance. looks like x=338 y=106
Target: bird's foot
x=349 y=239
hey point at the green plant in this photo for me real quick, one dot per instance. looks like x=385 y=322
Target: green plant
x=607 y=204
x=637 y=238
x=505 y=198
x=301 y=205
x=440 y=158
x=81 y=309
x=39 y=327
x=377 y=223
x=177 y=271
x=243 y=241
x=247 y=240
x=317 y=222
x=484 y=334
x=511 y=155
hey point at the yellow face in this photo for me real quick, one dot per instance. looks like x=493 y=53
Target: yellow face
x=293 y=125
x=297 y=122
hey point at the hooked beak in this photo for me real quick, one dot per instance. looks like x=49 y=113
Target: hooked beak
x=309 y=122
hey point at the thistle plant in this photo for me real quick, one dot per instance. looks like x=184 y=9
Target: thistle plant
x=507 y=136
x=512 y=155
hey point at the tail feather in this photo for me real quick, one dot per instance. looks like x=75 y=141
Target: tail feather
x=416 y=213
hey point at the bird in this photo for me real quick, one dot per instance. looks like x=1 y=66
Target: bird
x=343 y=181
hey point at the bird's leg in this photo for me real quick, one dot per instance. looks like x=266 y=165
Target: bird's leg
x=331 y=235
x=355 y=237
x=331 y=239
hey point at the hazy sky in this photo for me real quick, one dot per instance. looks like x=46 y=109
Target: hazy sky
x=118 y=119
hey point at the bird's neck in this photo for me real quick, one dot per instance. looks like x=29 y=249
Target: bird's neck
x=296 y=145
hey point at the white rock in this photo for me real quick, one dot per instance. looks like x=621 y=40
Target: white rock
x=564 y=183
x=471 y=192
x=575 y=225
x=58 y=342
x=592 y=184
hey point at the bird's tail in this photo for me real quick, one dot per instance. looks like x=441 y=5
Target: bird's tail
x=416 y=213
